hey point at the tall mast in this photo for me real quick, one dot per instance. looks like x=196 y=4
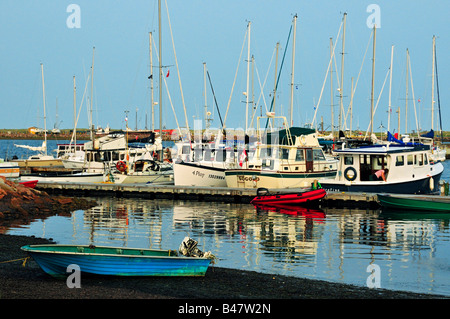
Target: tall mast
x=373 y=80
x=390 y=89
x=92 y=92
x=331 y=87
x=204 y=94
x=406 y=99
x=150 y=35
x=160 y=74
x=45 y=119
x=74 y=114
x=248 y=77
x=291 y=120
x=276 y=71
x=341 y=89
x=432 y=84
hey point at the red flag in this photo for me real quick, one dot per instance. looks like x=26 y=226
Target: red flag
x=167 y=75
x=242 y=158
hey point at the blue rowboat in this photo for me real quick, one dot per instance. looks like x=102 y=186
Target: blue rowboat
x=113 y=261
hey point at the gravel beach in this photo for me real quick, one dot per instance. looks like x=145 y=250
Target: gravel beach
x=30 y=282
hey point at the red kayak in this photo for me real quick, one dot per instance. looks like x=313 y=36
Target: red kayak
x=290 y=198
x=30 y=184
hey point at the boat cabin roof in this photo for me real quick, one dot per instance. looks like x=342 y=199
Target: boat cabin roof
x=383 y=149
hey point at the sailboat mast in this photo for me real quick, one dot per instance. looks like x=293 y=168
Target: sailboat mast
x=291 y=120
x=150 y=35
x=373 y=80
x=432 y=84
x=276 y=71
x=160 y=73
x=74 y=115
x=45 y=119
x=331 y=87
x=341 y=89
x=92 y=93
x=390 y=89
x=406 y=99
x=248 y=78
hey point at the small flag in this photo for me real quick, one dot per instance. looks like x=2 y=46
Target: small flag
x=150 y=76
x=167 y=75
x=242 y=158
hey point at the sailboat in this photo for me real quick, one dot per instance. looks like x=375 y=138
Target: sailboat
x=42 y=159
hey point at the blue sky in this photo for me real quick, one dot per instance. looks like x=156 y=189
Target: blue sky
x=35 y=32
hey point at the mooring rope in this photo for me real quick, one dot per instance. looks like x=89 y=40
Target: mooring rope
x=23 y=264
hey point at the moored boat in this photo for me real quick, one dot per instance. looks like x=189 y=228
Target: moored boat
x=430 y=203
x=287 y=158
x=114 y=261
x=408 y=169
x=9 y=169
x=293 y=198
x=30 y=184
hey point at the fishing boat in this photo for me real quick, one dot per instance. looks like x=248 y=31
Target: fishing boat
x=431 y=203
x=294 y=198
x=286 y=158
x=408 y=169
x=113 y=261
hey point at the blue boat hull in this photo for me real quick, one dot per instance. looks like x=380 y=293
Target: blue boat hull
x=56 y=264
x=421 y=186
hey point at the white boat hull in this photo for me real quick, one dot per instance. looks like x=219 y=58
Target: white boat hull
x=66 y=178
x=157 y=178
x=193 y=174
x=9 y=170
x=248 y=178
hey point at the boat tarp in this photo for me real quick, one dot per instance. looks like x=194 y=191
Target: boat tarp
x=280 y=137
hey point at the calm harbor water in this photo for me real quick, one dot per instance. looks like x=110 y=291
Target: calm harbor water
x=411 y=249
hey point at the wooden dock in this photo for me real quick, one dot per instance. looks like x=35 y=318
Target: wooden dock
x=222 y=194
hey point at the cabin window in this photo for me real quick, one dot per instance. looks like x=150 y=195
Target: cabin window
x=425 y=159
x=265 y=152
x=299 y=157
x=221 y=155
x=420 y=156
x=410 y=159
x=284 y=154
x=208 y=155
x=348 y=160
x=318 y=155
x=400 y=161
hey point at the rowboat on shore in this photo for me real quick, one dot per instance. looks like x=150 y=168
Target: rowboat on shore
x=292 y=198
x=427 y=203
x=114 y=261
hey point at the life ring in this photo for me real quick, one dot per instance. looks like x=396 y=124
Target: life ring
x=350 y=178
x=121 y=166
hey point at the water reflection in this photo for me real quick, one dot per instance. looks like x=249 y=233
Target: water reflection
x=412 y=249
